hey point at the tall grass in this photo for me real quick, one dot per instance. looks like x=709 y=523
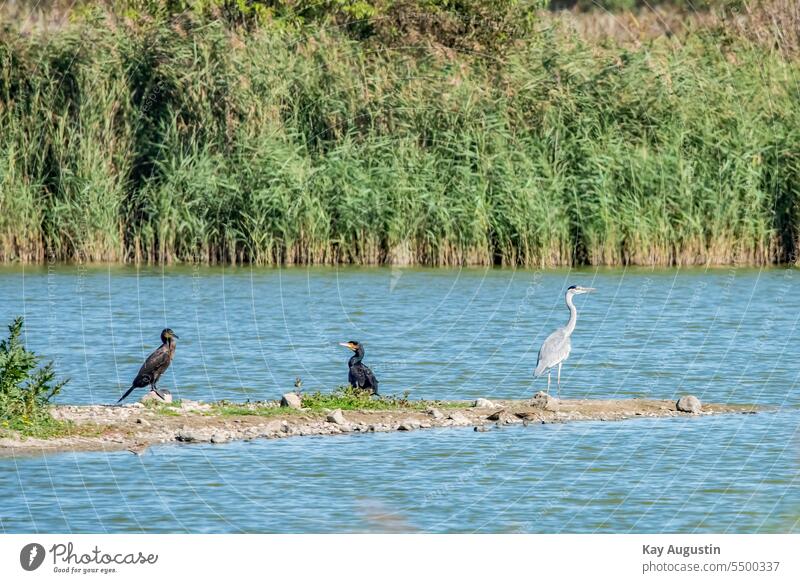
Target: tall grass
x=188 y=140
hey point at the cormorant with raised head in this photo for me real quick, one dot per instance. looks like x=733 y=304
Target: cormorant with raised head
x=360 y=376
x=155 y=365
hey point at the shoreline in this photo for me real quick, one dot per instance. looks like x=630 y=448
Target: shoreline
x=136 y=427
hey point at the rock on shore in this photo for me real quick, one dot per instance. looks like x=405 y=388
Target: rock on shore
x=292 y=401
x=689 y=404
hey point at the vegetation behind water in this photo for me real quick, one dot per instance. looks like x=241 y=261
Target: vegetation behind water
x=135 y=134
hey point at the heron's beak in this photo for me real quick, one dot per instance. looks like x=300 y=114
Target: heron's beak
x=589 y=289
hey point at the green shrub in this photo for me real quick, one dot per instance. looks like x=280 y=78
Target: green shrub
x=26 y=388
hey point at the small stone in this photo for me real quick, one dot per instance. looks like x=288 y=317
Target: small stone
x=544 y=401
x=291 y=400
x=458 y=418
x=142 y=422
x=481 y=429
x=337 y=417
x=408 y=425
x=217 y=438
x=435 y=413
x=689 y=404
x=274 y=426
x=153 y=396
x=188 y=437
x=483 y=403
x=503 y=418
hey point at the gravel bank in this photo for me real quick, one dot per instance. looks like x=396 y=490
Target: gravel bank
x=135 y=427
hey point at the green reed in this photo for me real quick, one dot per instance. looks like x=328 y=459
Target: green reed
x=187 y=140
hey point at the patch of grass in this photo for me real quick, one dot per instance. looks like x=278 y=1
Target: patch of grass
x=51 y=428
x=228 y=408
x=162 y=408
x=166 y=411
x=350 y=398
x=346 y=398
x=153 y=404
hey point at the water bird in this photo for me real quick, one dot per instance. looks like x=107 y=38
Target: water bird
x=360 y=376
x=556 y=347
x=155 y=365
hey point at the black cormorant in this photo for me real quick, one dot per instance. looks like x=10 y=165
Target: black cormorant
x=155 y=365
x=360 y=376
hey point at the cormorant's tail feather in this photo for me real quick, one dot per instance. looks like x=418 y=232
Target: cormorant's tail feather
x=128 y=392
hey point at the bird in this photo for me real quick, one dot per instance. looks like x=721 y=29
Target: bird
x=155 y=365
x=556 y=347
x=360 y=376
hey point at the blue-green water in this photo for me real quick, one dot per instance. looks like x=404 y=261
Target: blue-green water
x=723 y=335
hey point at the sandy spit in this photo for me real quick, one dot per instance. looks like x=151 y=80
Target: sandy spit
x=135 y=427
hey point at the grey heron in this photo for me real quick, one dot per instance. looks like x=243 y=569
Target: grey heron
x=555 y=349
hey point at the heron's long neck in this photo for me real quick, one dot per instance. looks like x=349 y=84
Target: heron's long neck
x=573 y=315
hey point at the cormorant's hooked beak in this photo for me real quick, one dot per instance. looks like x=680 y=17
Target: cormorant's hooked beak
x=176 y=336
x=347 y=345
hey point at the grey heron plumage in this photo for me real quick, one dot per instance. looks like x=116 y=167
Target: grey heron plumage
x=556 y=347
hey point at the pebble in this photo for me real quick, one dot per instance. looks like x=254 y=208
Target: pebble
x=408 y=425
x=458 y=418
x=483 y=403
x=292 y=401
x=186 y=437
x=435 y=413
x=337 y=417
x=689 y=404
x=544 y=401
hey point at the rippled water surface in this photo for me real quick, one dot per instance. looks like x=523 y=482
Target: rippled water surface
x=723 y=335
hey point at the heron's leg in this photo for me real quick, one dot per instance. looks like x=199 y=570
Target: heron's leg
x=549 y=372
x=559 y=381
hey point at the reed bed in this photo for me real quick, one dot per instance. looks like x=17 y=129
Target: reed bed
x=186 y=140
